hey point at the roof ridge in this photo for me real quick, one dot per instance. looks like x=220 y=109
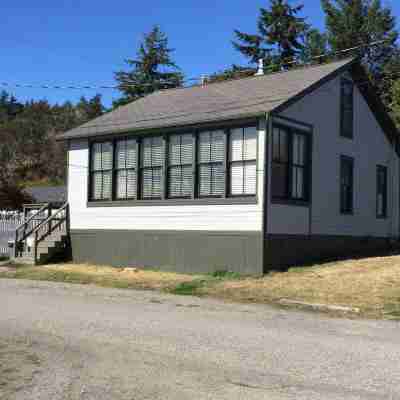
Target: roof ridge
x=299 y=68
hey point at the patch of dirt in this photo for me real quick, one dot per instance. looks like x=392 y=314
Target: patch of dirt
x=18 y=366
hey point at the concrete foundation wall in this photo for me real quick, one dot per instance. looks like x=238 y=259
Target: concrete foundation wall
x=181 y=251
x=284 y=251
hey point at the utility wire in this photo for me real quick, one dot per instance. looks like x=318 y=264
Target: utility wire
x=193 y=79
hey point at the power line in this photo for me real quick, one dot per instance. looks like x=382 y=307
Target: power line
x=188 y=80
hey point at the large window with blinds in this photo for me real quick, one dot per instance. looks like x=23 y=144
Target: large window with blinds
x=243 y=161
x=206 y=164
x=101 y=166
x=125 y=168
x=211 y=155
x=151 y=167
x=291 y=159
x=180 y=166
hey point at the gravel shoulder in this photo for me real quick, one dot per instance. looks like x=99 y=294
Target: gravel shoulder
x=62 y=341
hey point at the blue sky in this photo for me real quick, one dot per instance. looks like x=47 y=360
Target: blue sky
x=84 y=42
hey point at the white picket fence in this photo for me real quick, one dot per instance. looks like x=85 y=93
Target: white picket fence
x=9 y=221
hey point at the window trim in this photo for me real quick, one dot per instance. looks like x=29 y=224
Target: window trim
x=115 y=170
x=91 y=173
x=164 y=201
x=346 y=80
x=168 y=166
x=344 y=158
x=308 y=134
x=228 y=164
x=384 y=168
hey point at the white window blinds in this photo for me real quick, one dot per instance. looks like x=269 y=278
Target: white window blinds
x=180 y=170
x=101 y=171
x=242 y=160
x=126 y=158
x=211 y=156
x=151 y=167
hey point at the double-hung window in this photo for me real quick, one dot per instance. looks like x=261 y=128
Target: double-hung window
x=125 y=168
x=346 y=184
x=290 y=164
x=242 y=161
x=204 y=164
x=180 y=167
x=381 y=191
x=152 y=159
x=210 y=159
x=347 y=108
x=101 y=167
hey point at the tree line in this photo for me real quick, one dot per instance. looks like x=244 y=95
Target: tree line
x=282 y=37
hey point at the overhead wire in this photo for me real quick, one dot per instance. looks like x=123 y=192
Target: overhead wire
x=193 y=79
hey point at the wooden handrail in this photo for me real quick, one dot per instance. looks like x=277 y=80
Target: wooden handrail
x=24 y=225
x=48 y=226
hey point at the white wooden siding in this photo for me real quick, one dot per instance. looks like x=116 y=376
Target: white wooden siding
x=369 y=148
x=186 y=217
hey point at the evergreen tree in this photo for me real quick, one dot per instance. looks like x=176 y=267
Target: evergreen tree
x=280 y=34
x=315 y=45
x=352 y=23
x=233 y=72
x=152 y=70
x=89 y=109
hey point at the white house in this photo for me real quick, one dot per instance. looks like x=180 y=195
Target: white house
x=241 y=175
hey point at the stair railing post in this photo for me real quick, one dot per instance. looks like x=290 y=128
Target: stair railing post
x=16 y=244
x=35 y=247
x=49 y=223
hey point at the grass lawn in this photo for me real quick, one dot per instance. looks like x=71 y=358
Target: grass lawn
x=371 y=284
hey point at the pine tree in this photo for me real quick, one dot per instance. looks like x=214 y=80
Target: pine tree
x=280 y=34
x=89 y=109
x=315 y=45
x=352 y=23
x=152 y=70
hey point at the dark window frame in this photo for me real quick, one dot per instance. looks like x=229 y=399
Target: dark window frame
x=160 y=167
x=345 y=111
x=92 y=172
x=221 y=163
x=382 y=169
x=164 y=200
x=288 y=198
x=346 y=209
x=230 y=163
x=116 y=170
x=181 y=164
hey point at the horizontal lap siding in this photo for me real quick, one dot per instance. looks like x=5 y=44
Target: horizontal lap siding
x=239 y=217
x=368 y=148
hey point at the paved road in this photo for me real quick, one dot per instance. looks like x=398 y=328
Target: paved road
x=78 y=342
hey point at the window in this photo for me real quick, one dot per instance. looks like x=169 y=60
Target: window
x=242 y=161
x=381 y=191
x=346 y=184
x=180 y=170
x=346 y=108
x=290 y=164
x=151 y=167
x=201 y=166
x=125 y=169
x=101 y=171
x=211 y=157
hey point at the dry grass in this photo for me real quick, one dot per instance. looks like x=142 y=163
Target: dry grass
x=370 y=284
x=127 y=278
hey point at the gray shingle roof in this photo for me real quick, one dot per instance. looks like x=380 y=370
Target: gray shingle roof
x=48 y=194
x=219 y=101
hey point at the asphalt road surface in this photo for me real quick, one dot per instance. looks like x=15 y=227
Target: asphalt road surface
x=61 y=341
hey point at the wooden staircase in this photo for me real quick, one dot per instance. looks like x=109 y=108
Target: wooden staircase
x=43 y=237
